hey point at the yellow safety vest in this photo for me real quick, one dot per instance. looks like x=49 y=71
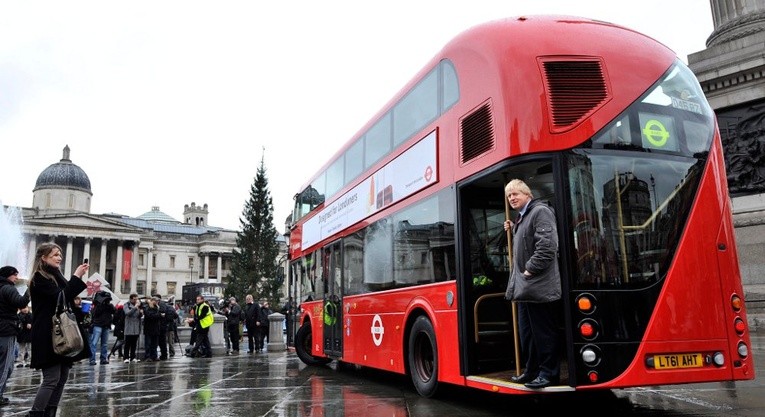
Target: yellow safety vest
x=207 y=320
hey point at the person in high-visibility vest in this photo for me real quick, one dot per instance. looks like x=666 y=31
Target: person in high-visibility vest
x=203 y=319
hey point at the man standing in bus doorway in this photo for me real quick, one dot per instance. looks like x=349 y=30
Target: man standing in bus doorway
x=534 y=284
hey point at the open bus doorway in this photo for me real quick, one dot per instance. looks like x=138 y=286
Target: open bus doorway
x=487 y=319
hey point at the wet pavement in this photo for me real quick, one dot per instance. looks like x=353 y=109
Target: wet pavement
x=278 y=384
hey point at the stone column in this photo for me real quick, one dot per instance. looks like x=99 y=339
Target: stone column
x=220 y=267
x=149 y=270
x=207 y=268
x=86 y=254
x=102 y=259
x=735 y=19
x=31 y=252
x=68 y=260
x=118 y=267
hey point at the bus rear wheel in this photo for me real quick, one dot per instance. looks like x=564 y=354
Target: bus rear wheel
x=303 y=346
x=423 y=357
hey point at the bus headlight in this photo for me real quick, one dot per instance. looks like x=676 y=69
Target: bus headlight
x=718 y=358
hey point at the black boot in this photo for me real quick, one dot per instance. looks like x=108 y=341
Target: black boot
x=50 y=411
x=36 y=413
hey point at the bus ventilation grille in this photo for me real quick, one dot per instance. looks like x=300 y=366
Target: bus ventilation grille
x=477 y=133
x=575 y=89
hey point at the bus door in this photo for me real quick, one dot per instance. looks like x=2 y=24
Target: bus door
x=333 y=299
x=488 y=319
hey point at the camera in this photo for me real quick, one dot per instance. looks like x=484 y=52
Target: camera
x=102 y=297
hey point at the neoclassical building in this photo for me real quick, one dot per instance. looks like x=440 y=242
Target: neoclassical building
x=148 y=254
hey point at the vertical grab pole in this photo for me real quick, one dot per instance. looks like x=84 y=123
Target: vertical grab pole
x=516 y=339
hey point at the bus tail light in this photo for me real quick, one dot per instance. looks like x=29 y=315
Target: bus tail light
x=588 y=329
x=739 y=325
x=585 y=303
x=592 y=376
x=718 y=358
x=736 y=303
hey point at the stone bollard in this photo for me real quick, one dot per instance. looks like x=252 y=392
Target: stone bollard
x=275 y=335
x=217 y=341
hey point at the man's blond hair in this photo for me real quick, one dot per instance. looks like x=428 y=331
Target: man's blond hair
x=518 y=185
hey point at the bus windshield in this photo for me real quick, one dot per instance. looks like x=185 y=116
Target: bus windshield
x=633 y=184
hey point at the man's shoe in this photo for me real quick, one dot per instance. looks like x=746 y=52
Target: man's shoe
x=4 y=401
x=539 y=382
x=92 y=363
x=522 y=378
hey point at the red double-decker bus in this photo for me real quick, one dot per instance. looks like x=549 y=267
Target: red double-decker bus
x=398 y=247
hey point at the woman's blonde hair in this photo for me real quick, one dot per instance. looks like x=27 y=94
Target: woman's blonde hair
x=38 y=265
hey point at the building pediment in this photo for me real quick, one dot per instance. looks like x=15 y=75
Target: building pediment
x=79 y=221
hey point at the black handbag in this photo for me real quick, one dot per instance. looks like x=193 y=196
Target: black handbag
x=67 y=338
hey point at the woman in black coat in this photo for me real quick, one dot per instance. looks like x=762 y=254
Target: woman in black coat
x=47 y=282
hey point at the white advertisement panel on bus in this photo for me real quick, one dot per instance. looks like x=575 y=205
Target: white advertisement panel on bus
x=410 y=172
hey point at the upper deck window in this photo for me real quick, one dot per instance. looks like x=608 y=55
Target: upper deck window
x=436 y=93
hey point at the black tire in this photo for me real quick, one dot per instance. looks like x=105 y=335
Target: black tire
x=423 y=357
x=303 y=346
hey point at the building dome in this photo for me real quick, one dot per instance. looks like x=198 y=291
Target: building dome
x=156 y=216
x=64 y=174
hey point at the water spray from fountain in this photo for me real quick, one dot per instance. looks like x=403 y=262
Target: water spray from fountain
x=12 y=249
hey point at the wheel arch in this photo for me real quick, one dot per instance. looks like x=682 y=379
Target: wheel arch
x=417 y=308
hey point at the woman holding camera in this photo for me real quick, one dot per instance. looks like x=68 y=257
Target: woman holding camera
x=46 y=284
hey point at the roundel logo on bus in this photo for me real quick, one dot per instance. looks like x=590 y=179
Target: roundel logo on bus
x=656 y=133
x=377 y=330
x=428 y=173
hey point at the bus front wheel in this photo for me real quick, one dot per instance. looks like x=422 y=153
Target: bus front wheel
x=303 y=346
x=423 y=357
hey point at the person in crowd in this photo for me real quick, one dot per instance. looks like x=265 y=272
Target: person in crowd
x=535 y=285
x=152 y=318
x=169 y=329
x=193 y=337
x=265 y=311
x=234 y=317
x=202 y=320
x=133 y=314
x=252 y=321
x=102 y=316
x=163 y=324
x=289 y=316
x=45 y=286
x=24 y=338
x=118 y=321
x=224 y=313
x=10 y=303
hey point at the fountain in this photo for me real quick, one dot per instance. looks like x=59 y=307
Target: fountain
x=12 y=248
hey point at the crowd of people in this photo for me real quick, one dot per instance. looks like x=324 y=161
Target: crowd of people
x=26 y=336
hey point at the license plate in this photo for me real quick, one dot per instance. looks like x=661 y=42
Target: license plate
x=683 y=360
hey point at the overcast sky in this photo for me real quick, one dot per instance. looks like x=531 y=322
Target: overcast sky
x=164 y=103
